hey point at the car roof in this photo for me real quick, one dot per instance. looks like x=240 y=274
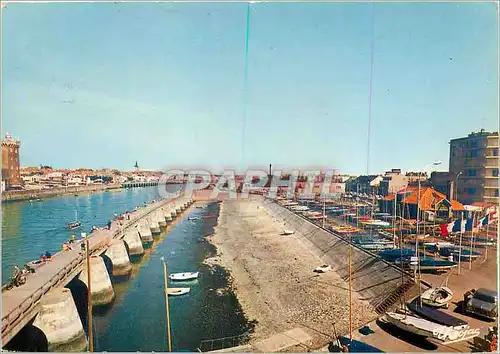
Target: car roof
x=487 y=292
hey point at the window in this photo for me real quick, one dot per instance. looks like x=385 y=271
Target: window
x=471 y=172
x=473 y=153
x=495 y=152
x=495 y=172
x=471 y=191
x=496 y=192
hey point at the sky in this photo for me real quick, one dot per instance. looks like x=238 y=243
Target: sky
x=239 y=85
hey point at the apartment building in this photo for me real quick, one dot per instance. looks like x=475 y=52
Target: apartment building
x=474 y=162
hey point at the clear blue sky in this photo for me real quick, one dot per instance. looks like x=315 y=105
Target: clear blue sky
x=103 y=85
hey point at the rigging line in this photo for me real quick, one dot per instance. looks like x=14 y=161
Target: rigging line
x=245 y=87
x=370 y=91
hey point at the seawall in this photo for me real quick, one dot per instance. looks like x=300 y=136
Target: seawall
x=374 y=279
x=10 y=196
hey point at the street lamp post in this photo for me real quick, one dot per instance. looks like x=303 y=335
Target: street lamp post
x=436 y=163
x=456 y=186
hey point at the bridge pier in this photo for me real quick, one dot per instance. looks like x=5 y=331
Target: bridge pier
x=145 y=233
x=133 y=241
x=58 y=319
x=178 y=210
x=118 y=255
x=102 y=290
x=153 y=225
x=173 y=213
x=161 y=219
x=167 y=215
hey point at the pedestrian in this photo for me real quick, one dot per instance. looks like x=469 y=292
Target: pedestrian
x=109 y=225
x=44 y=258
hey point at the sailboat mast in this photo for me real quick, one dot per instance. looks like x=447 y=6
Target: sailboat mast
x=350 y=288
x=460 y=244
x=166 y=306
x=89 y=295
x=472 y=240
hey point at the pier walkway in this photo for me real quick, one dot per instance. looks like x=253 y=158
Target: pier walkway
x=20 y=304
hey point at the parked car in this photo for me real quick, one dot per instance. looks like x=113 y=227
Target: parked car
x=483 y=303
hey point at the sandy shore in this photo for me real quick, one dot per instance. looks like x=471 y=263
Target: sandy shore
x=273 y=277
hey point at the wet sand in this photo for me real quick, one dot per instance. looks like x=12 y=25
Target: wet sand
x=273 y=277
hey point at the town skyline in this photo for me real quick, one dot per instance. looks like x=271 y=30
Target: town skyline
x=300 y=95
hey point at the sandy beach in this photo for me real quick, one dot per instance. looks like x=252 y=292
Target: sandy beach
x=273 y=277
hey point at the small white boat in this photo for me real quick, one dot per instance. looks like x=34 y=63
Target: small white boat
x=415 y=325
x=184 y=276
x=193 y=218
x=177 y=291
x=437 y=297
x=288 y=232
x=322 y=269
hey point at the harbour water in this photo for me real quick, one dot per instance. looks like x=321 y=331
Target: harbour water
x=136 y=321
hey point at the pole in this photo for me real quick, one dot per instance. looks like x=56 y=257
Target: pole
x=324 y=212
x=350 y=288
x=460 y=245
x=89 y=298
x=166 y=306
x=394 y=224
x=416 y=245
x=487 y=239
x=472 y=240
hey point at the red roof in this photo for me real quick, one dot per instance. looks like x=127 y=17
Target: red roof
x=429 y=198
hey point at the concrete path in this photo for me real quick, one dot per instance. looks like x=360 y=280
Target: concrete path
x=283 y=340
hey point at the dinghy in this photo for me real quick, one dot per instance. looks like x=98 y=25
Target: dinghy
x=177 y=291
x=437 y=297
x=193 y=218
x=183 y=276
x=288 y=232
x=436 y=265
x=322 y=269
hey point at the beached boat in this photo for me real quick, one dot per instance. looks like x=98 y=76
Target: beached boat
x=323 y=268
x=177 y=291
x=288 y=232
x=435 y=315
x=436 y=265
x=352 y=345
x=413 y=324
x=437 y=297
x=396 y=253
x=183 y=276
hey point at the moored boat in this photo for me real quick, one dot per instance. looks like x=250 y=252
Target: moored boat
x=183 y=276
x=177 y=291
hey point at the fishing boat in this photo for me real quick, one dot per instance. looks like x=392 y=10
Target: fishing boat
x=323 y=268
x=437 y=297
x=183 y=276
x=435 y=315
x=177 y=291
x=75 y=224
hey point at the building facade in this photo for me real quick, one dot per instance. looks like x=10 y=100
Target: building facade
x=392 y=182
x=11 y=173
x=474 y=160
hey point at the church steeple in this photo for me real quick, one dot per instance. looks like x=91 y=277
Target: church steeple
x=136 y=165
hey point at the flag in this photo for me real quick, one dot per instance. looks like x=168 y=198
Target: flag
x=446 y=228
x=468 y=224
x=459 y=225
